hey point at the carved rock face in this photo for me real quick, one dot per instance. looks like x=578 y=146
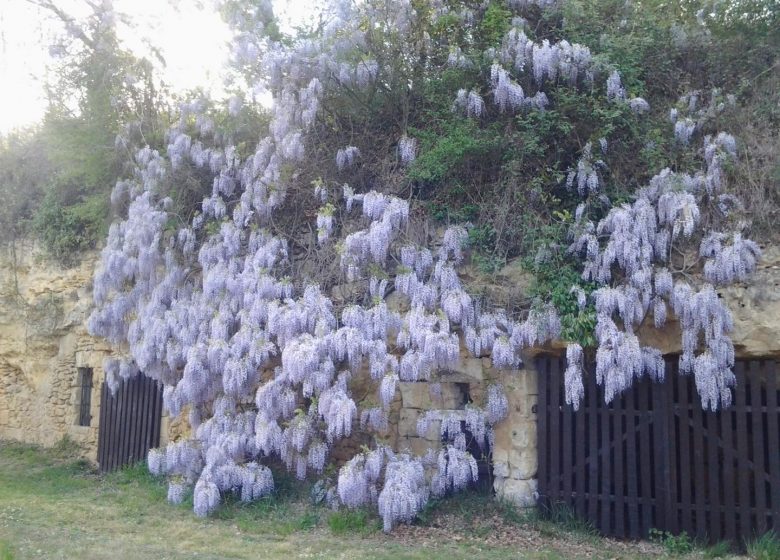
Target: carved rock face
x=755 y=307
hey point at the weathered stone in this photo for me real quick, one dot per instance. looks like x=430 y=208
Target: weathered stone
x=407 y=422
x=43 y=340
x=523 y=463
x=500 y=463
x=343 y=294
x=522 y=493
x=418 y=395
x=468 y=370
x=500 y=470
x=523 y=434
x=755 y=309
x=398 y=302
x=417 y=446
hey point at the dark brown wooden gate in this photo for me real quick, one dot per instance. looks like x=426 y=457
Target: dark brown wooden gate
x=654 y=459
x=129 y=422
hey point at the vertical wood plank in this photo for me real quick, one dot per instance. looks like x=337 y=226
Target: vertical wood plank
x=102 y=428
x=686 y=480
x=149 y=411
x=661 y=456
x=130 y=421
x=618 y=434
x=729 y=477
x=715 y=468
x=157 y=415
x=773 y=440
x=143 y=409
x=593 y=448
x=136 y=443
x=555 y=432
x=645 y=459
x=568 y=444
x=672 y=505
x=114 y=434
x=632 y=467
x=701 y=472
x=123 y=426
x=759 y=467
x=542 y=415
x=580 y=419
x=743 y=462
x=606 y=475
x=110 y=437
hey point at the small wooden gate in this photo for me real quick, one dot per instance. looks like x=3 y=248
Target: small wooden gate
x=654 y=459
x=129 y=422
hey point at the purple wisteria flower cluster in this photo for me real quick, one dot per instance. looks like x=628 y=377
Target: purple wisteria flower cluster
x=262 y=364
x=629 y=254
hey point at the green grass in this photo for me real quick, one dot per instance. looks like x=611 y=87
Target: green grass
x=720 y=549
x=54 y=506
x=353 y=522
x=675 y=545
x=5 y=551
x=766 y=547
x=561 y=520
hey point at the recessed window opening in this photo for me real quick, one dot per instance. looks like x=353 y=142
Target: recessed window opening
x=85 y=396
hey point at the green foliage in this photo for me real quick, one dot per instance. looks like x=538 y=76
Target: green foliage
x=494 y=25
x=482 y=241
x=349 y=521
x=555 y=272
x=25 y=172
x=458 y=147
x=675 y=545
x=766 y=547
x=68 y=226
x=718 y=550
x=6 y=553
x=63 y=171
x=562 y=517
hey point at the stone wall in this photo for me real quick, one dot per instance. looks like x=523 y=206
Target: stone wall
x=43 y=342
x=515 y=457
x=755 y=308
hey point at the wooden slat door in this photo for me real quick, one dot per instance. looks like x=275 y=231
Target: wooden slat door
x=129 y=422
x=654 y=459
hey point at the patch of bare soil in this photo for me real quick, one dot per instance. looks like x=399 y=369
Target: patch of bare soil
x=494 y=530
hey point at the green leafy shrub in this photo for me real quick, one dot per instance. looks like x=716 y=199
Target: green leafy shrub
x=66 y=229
x=675 y=545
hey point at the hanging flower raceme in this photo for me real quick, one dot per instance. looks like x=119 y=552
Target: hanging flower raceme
x=227 y=315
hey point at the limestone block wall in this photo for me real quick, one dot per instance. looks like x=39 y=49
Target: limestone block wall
x=515 y=457
x=755 y=309
x=43 y=342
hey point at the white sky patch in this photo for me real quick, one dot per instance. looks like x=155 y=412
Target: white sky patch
x=23 y=56
x=193 y=41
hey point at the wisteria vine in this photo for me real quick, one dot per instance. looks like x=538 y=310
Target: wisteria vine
x=262 y=370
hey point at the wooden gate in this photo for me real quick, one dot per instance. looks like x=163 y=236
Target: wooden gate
x=129 y=422
x=654 y=459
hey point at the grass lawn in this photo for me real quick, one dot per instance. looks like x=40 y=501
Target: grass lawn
x=53 y=506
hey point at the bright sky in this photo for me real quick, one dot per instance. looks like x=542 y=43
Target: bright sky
x=193 y=41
